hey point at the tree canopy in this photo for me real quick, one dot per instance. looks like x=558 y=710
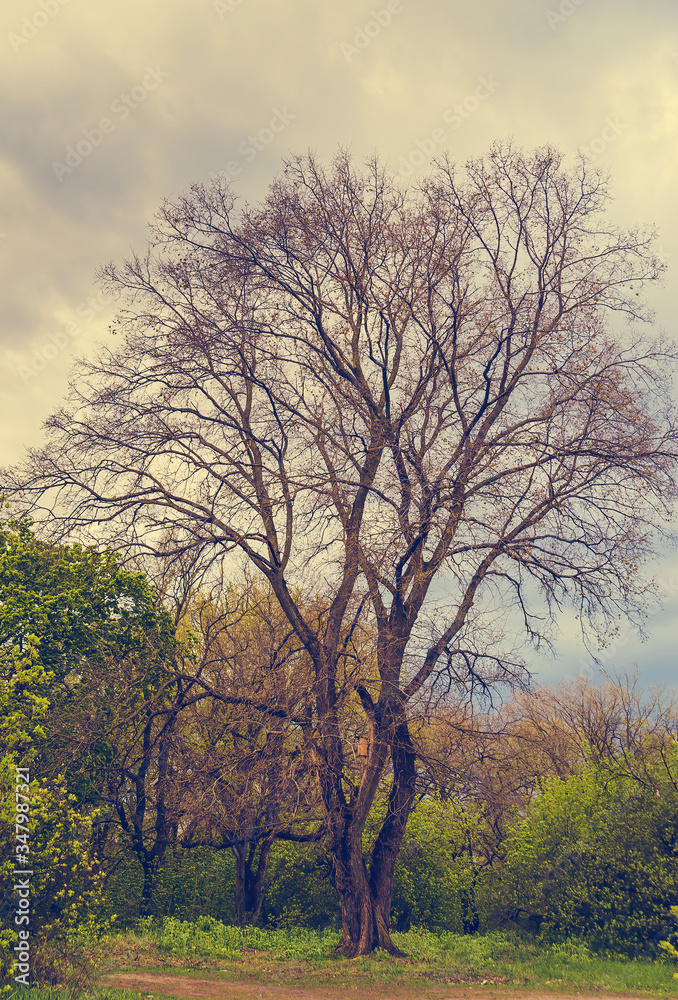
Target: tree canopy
x=416 y=402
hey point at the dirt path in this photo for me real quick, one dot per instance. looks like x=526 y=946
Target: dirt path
x=213 y=989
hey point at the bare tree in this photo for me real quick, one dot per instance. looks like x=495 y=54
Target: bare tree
x=243 y=774
x=615 y=723
x=415 y=401
x=500 y=761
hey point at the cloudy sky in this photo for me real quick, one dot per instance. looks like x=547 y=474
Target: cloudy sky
x=110 y=107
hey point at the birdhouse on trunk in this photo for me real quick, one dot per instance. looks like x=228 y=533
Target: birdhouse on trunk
x=362 y=746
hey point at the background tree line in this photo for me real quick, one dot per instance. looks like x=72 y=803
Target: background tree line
x=169 y=768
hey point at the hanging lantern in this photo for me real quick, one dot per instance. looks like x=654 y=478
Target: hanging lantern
x=362 y=746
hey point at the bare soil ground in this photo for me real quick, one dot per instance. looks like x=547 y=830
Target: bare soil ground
x=215 y=989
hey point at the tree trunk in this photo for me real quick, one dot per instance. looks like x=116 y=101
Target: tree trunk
x=366 y=898
x=363 y=926
x=147 y=907
x=250 y=884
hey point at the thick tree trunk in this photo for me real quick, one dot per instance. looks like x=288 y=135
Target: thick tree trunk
x=366 y=898
x=363 y=924
x=363 y=927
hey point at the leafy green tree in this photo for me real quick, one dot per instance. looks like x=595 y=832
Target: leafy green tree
x=85 y=649
x=46 y=848
x=596 y=857
x=79 y=602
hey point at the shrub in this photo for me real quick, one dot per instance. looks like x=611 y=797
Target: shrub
x=434 y=877
x=596 y=858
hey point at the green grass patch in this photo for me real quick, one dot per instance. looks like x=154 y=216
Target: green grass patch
x=299 y=958
x=303 y=957
x=209 y=937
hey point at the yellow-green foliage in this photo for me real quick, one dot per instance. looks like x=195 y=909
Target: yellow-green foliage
x=65 y=881
x=668 y=947
x=434 y=874
x=21 y=709
x=595 y=858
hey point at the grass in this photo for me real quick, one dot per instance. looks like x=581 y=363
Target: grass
x=301 y=958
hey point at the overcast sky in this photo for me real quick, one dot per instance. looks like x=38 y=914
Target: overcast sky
x=110 y=107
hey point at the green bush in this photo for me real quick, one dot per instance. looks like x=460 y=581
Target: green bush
x=434 y=875
x=191 y=883
x=596 y=858
x=197 y=882
x=300 y=892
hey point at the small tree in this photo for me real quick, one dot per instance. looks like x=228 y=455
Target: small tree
x=108 y=689
x=411 y=401
x=46 y=843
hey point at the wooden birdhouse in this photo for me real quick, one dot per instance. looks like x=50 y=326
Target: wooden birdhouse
x=362 y=746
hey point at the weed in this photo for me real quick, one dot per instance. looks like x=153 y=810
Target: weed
x=305 y=956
